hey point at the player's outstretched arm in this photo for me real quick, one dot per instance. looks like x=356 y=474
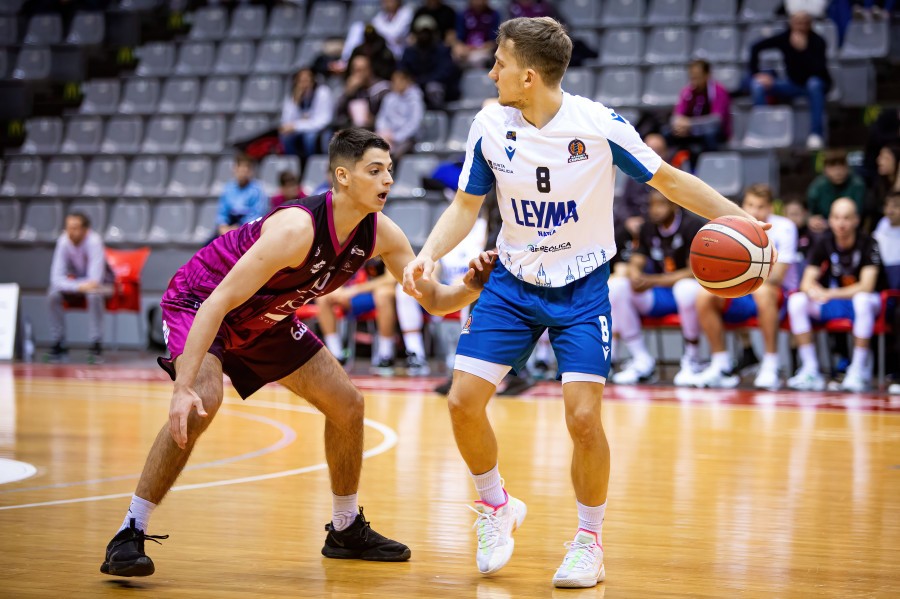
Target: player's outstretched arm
x=437 y=299
x=456 y=222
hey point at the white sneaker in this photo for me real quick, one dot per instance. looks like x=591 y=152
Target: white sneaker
x=767 y=378
x=636 y=372
x=894 y=389
x=688 y=373
x=807 y=381
x=853 y=381
x=493 y=531
x=583 y=565
x=814 y=142
x=712 y=377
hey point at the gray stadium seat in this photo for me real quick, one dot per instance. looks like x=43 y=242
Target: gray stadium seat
x=632 y=115
x=248 y=126
x=475 y=87
x=105 y=177
x=235 y=57
x=87 y=29
x=409 y=174
x=271 y=166
x=307 y=51
x=101 y=96
x=579 y=81
x=42 y=221
x=44 y=135
x=717 y=42
x=412 y=216
x=209 y=23
x=828 y=30
x=10 y=7
x=663 y=84
x=459 y=131
x=622 y=47
x=722 y=171
x=32 y=64
x=10 y=217
x=327 y=19
x=247 y=21
x=147 y=176
x=179 y=95
x=728 y=75
x=206 y=221
x=362 y=12
x=759 y=10
x=9 y=30
x=22 y=176
x=63 y=176
x=172 y=221
x=286 y=20
x=164 y=135
x=668 y=12
x=128 y=221
x=123 y=135
x=222 y=174
x=586 y=13
x=315 y=173
x=275 y=56
x=715 y=11
x=44 y=29
x=618 y=87
x=866 y=39
x=668 y=45
x=156 y=59
x=140 y=95
x=770 y=127
x=94 y=209
x=83 y=135
x=220 y=94
x=623 y=12
x=4 y=63
x=139 y=5
x=261 y=94
x=433 y=131
x=195 y=58
x=205 y=134
x=190 y=176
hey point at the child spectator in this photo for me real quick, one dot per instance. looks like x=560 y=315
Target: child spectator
x=401 y=114
x=242 y=199
x=288 y=190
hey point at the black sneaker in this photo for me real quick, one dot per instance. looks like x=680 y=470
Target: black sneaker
x=359 y=541
x=517 y=385
x=95 y=353
x=416 y=365
x=125 y=553
x=748 y=361
x=444 y=388
x=58 y=353
x=384 y=367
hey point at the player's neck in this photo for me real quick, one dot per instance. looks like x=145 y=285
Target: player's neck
x=542 y=107
x=346 y=214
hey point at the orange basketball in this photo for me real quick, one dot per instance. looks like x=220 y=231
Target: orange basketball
x=731 y=256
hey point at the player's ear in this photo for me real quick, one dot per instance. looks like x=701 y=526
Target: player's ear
x=529 y=77
x=342 y=175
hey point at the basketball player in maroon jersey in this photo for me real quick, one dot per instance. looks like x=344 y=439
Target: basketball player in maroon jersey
x=232 y=309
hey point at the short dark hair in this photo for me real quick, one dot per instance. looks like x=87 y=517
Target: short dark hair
x=540 y=43
x=794 y=198
x=760 y=190
x=703 y=64
x=893 y=196
x=347 y=146
x=243 y=159
x=84 y=218
x=833 y=157
x=287 y=178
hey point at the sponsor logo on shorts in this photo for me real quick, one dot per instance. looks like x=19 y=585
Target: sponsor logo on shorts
x=465 y=329
x=165 y=332
x=298 y=331
x=605 y=352
x=550 y=248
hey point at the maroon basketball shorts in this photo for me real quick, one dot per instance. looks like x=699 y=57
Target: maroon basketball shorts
x=268 y=357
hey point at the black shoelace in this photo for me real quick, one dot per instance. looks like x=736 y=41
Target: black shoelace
x=137 y=534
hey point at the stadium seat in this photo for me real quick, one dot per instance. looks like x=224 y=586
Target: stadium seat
x=10 y=7
x=179 y=95
x=307 y=51
x=4 y=63
x=44 y=29
x=147 y=176
x=140 y=96
x=128 y=221
x=32 y=64
x=586 y=13
x=190 y=176
x=668 y=45
x=101 y=96
x=315 y=173
x=459 y=131
x=195 y=58
x=668 y=12
x=139 y=5
x=413 y=217
x=123 y=135
x=271 y=166
x=205 y=221
x=866 y=39
x=722 y=171
x=63 y=176
x=235 y=57
x=220 y=94
x=209 y=23
x=205 y=135
x=579 y=81
x=327 y=18
x=42 y=220
x=83 y=135
x=87 y=29
x=105 y=177
x=622 y=47
x=410 y=172
x=247 y=126
x=623 y=12
x=475 y=87
x=759 y=10
x=172 y=221
x=770 y=127
x=286 y=20
x=164 y=135
x=156 y=59
x=10 y=217
x=247 y=22
x=94 y=209
x=362 y=12
x=717 y=43
x=619 y=86
x=715 y=11
x=261 y=94
x=223 y=173
x=433 y=131
x=22 y=176
x=9 y=29
x=728 y=75
x=828 y=30
x=43 y=135
x=663 y=84
x=756 y=32
x=274 y=56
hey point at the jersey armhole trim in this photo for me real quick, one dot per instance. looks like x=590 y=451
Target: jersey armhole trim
x=630 y=165
x=481 y=179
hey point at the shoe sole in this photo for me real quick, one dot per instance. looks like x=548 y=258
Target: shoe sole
x=521 y=512
x=141 y=567
x=580 y=583
x=338 y=553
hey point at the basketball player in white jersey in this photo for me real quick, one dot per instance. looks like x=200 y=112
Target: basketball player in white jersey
x=552 y=157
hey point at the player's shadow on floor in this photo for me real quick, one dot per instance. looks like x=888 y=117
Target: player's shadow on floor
x=129 y=584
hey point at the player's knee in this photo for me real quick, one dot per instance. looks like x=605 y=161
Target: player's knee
x=585 y=426
x=619 y=289
x=461 y=408
x=798 y=302
x=685 y=292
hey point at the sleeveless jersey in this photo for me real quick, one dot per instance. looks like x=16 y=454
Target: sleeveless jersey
x=327 y=266
x=555 y=185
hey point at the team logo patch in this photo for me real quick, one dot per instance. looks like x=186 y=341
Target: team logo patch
x=577 y=151
x=465 y=329
x=510 y=144
x=511 y=135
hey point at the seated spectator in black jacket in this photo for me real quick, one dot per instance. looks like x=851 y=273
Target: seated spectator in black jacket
x=375 y=47
x=444 y=17
x=362 y=96
x=431 y=64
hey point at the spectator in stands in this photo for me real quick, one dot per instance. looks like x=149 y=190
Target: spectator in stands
x=374 y=292
x=531 y=9
x=764 y=303
x=840 y=282
x=702 y=118
x=631 y=208
x=288 y=190
x=305 y=114
x=794 y=208
x=379 y=54
x=243 y=199
x=363 y=93
x=659 y=283
x=807 y=74
x=885 y=131
x=392 y=24
x=431 y=64
x=401 y=114
x=444 y=19
x=836 y=181
x=329 y=61
x=476 y=34
x=888 y=164
x=78 y=274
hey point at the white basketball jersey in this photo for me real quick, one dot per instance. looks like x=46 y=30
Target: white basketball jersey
x=784 y=237
x=555 y=185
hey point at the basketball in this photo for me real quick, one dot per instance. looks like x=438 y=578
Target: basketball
x=731 y=256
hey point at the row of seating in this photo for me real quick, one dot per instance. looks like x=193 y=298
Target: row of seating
x=86 y=29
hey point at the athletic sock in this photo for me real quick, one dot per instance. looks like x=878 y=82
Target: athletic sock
x=860 y=358
x=692 y=350
x=808 y=360
x=591 y=518
x=490 y=487
x=139 y=510
x=638 y=351
x=343 y=510
x=385 y=348
x=722 y=361
x=334 y=345
x=414 y=343
x=769 y=362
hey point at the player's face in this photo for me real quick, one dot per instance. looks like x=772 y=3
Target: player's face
x=371 y=178
x=508 y=76
x=757 y=207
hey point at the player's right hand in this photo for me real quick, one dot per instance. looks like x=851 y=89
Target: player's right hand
x=422 y=267
x=184 y=399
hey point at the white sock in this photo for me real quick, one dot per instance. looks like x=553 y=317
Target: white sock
x=860 y=360
x=542 y=351
x=385 y=348
x=139 y=511
x=489 y=487
x=638 y=352
x=343 y=510
x=334 y=345
x=769 y=362
x=692 y=351
x=591 y=518
x=414 y=343
x=722 y=361
x=808 y=360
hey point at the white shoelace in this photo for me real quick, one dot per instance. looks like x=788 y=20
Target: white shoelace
x=488 y=534
x=579 y=561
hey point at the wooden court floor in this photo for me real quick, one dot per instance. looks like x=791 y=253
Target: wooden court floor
x=712 y=493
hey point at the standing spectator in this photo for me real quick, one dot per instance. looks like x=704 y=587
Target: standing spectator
x=305 y=114
x=807 y=74
x=430 y=62
x=401 y=114
x=375 y=47
x=288 y=190
x=77 y=273
x=242 y=199
x=702 y=119
x=631 y=209
x=391 y=22
x=476 y=32
x=362 y=96
x=444 y=19
x=836 y=181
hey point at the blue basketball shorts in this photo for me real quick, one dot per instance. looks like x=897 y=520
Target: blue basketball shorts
x=740 y=309
x=836 y=308
x=663 y=302
x=511 y=315
x=360 y=304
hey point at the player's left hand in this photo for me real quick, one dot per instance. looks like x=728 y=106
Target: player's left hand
x=420 y=268
x=480 y=269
